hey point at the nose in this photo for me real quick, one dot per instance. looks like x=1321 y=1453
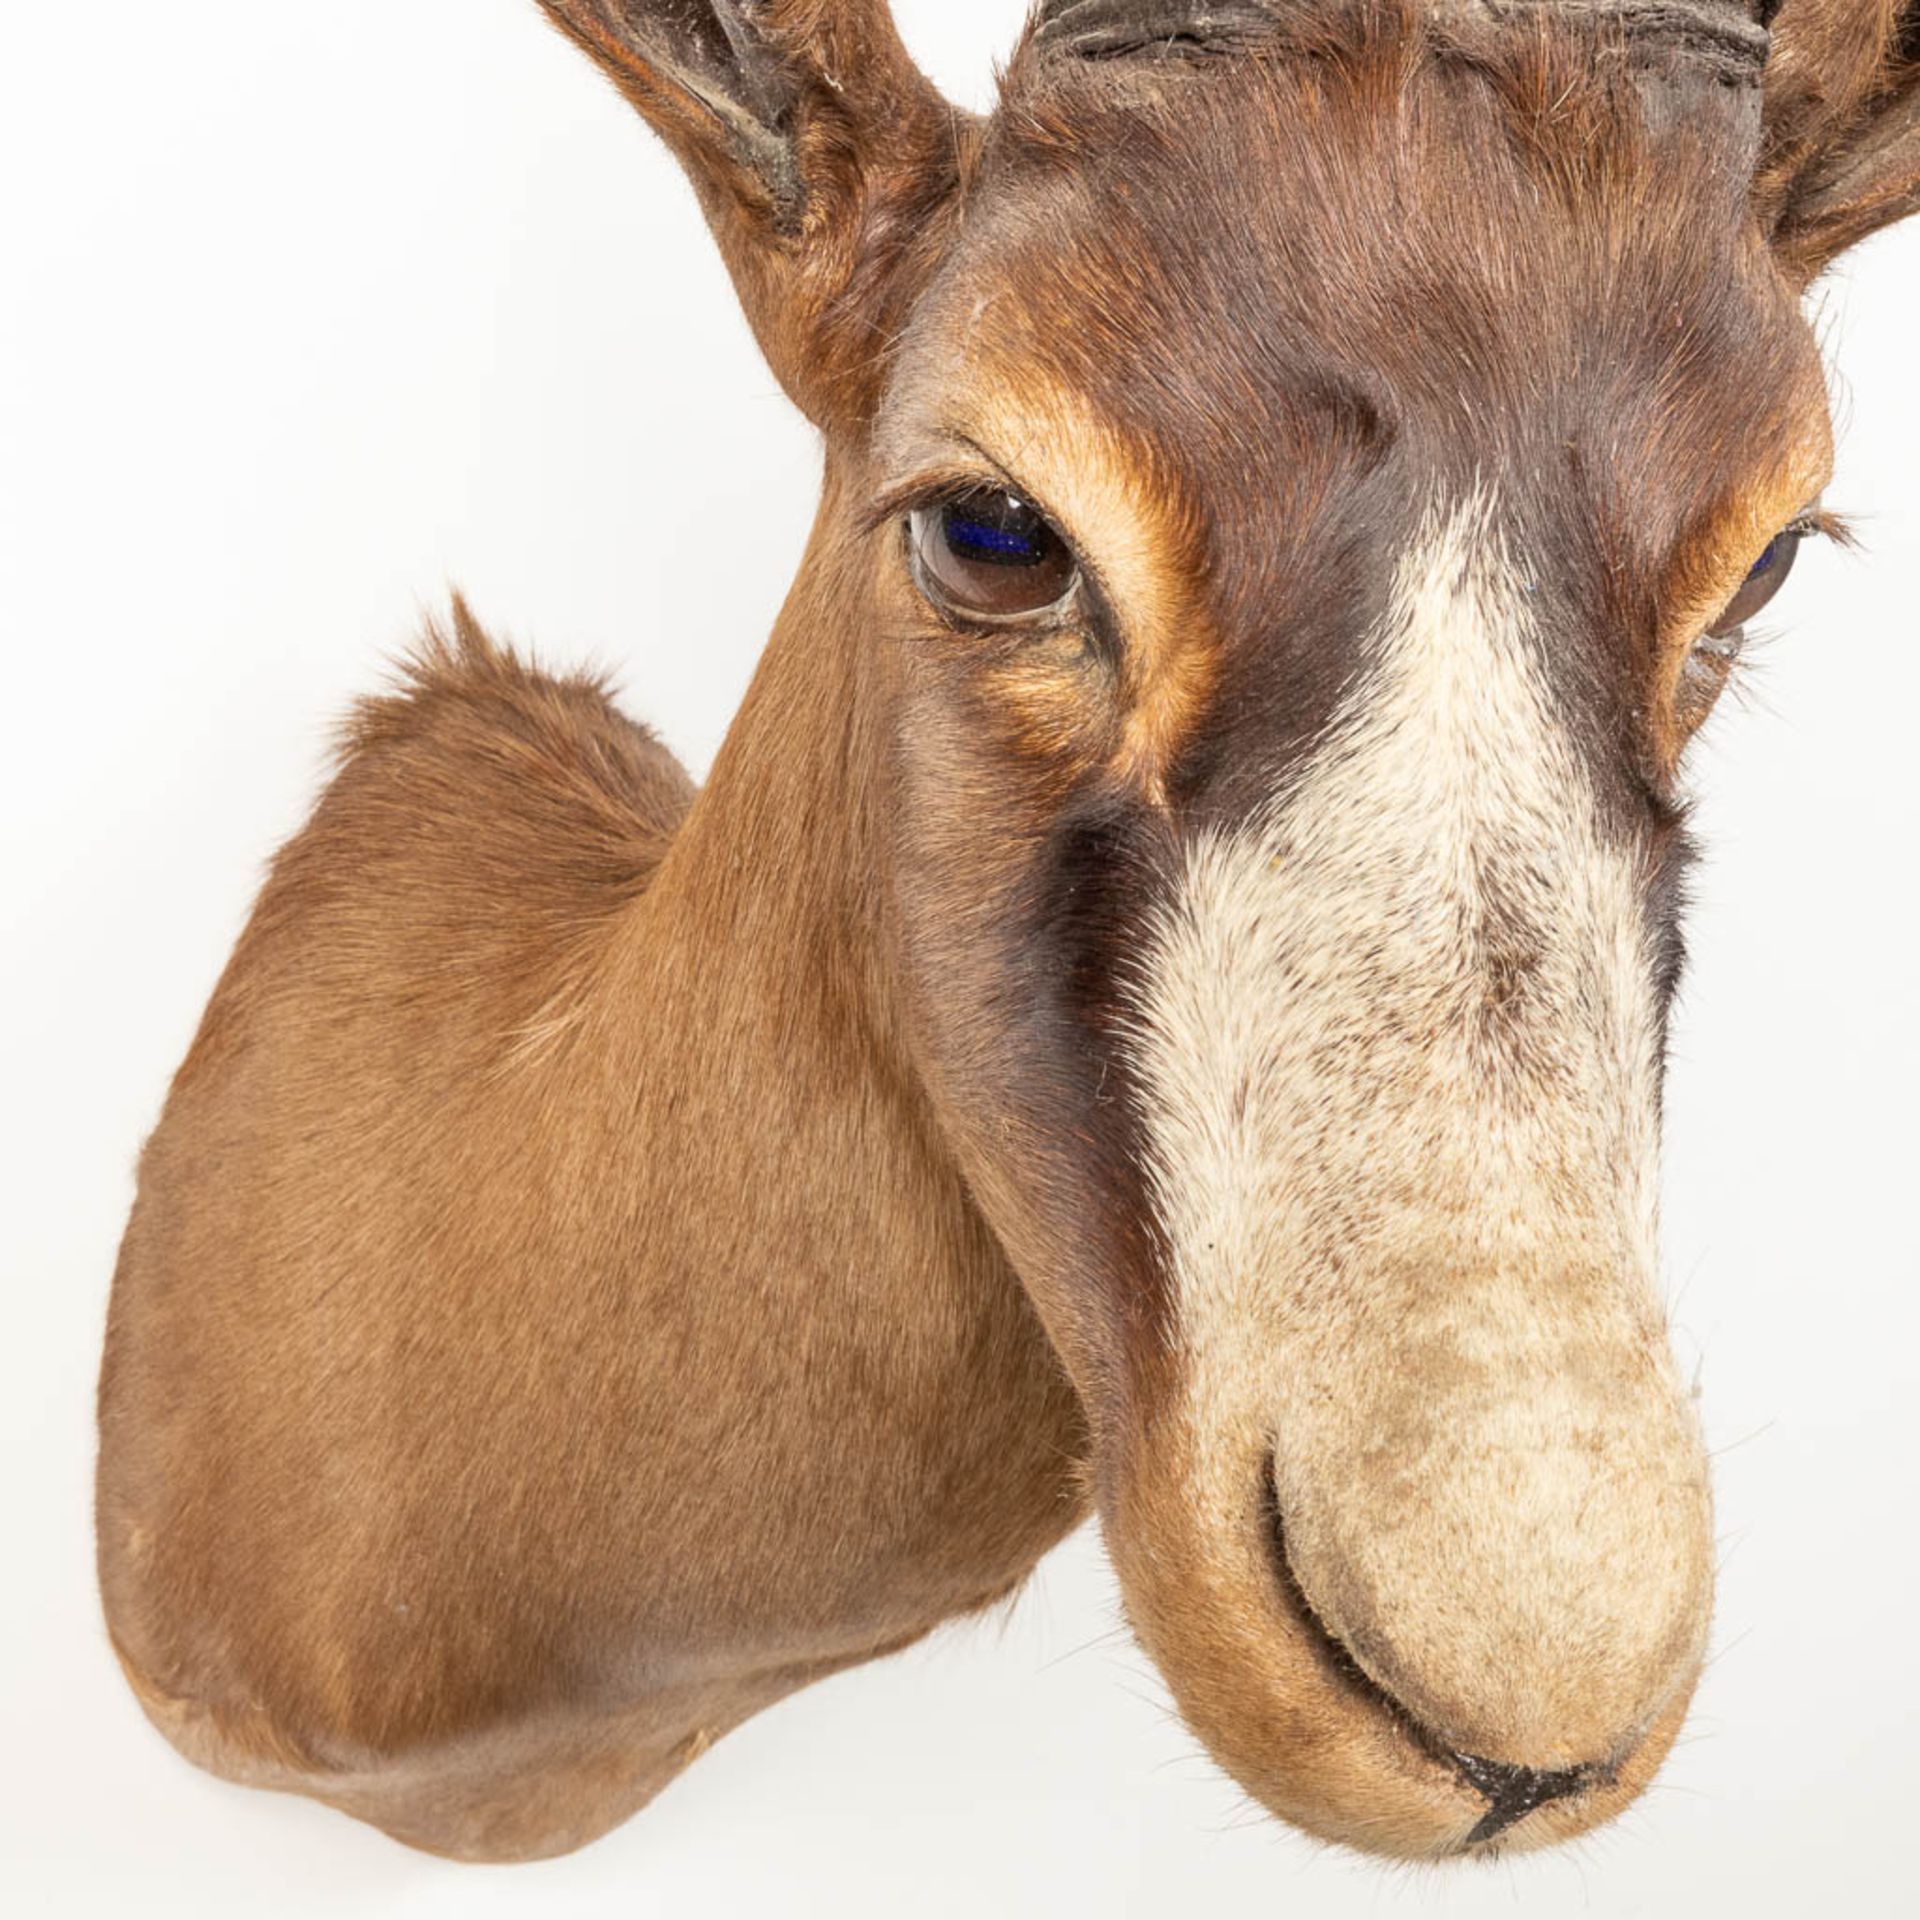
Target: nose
x=1505 y=1523
x=1511 y=1793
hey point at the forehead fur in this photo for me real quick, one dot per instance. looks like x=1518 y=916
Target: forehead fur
x=1369 y=224
x=1371 y=259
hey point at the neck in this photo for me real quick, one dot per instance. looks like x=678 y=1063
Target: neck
x=773 y=890
x=871 y=1384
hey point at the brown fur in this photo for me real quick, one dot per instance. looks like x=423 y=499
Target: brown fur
x=614 y=1255
x=471 y=1452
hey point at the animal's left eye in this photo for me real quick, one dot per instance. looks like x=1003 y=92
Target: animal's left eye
x=1769 y=575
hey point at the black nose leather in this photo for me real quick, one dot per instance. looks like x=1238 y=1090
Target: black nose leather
x=1511 y=1793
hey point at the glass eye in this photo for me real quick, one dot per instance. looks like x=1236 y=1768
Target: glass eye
x=991 y=556
x=1769 y=575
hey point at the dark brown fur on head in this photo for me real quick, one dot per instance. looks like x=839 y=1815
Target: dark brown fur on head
x=1301 y=282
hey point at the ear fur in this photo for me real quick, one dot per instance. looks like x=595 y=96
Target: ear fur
x=1842 y=145
x=820 y=154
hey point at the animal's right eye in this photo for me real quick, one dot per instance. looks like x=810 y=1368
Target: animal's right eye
x=991 y=556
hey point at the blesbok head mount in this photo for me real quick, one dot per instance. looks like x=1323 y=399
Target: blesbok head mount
x=1206 y=842
x=1297 y=477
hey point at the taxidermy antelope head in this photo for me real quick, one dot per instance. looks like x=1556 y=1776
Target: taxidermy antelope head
x=1296 y=479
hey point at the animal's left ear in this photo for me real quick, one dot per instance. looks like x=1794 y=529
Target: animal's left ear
x=1841 y=157
x=820 y=154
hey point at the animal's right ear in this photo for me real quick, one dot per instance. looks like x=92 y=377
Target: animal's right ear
x=1842 y=114
x=821 y=156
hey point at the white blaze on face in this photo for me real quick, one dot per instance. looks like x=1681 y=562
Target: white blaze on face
x=1396 y=1039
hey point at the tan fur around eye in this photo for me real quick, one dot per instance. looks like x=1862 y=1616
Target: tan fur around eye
x=1120 y=512
x=1706 y=575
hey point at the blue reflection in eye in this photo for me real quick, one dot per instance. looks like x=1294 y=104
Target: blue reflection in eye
x=975 y=540
x=1764 y=580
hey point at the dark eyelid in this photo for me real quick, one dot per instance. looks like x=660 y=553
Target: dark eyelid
x=941 y=482
x=928 y=489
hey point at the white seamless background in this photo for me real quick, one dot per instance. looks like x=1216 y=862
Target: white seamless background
x=307 y=313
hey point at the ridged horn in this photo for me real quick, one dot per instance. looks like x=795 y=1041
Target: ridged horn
x=1730 y=35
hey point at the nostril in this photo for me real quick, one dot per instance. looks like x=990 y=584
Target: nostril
x=1511 y=1793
